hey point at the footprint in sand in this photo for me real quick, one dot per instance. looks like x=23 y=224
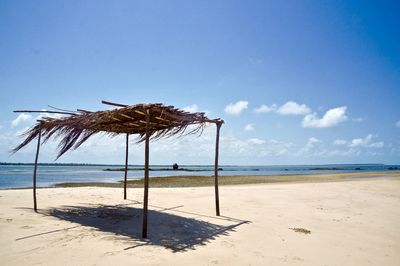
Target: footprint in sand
x=109 y=254
x=26 y=227
x=227 y=244
x=297 y=258
x=259 y=254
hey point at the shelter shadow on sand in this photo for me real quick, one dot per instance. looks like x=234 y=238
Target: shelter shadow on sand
x=173 y=232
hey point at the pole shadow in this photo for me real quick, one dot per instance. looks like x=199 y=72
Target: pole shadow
x=173 y=232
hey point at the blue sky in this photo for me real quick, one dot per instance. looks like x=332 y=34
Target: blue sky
x=326 y=74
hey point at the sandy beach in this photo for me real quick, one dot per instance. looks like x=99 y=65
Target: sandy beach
x=318 y=223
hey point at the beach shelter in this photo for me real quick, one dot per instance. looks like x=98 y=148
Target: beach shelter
x=149 y=121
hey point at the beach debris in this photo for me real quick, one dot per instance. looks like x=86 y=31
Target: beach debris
x=301 y=230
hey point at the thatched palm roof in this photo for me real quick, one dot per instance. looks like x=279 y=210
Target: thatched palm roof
x=78 y=126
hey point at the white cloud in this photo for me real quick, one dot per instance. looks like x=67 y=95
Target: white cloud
x=378 y=144
x=316 y=148
x=191 y=108
x=51 y=115
x=361 y=142
x=200 y=150
x=20 y=119
x=340 y=142
x=366 y=142
x=249 y=127
x=312 y=147
x=257 y=141
x=265 y=108
x=253 y=148
x=398 y=124
x=293 y=108
x=331 y=118
x=312 y=141
x=236 y=108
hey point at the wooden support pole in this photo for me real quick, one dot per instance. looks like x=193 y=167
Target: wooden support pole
x=146 y=176
x=126 y=164
x=41 y=111
x=34 y=172
x=216 y=169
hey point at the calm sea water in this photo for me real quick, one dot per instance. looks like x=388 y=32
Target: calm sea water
x=20 y=176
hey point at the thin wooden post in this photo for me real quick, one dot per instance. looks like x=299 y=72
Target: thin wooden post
x=126 y=164
x=34 y=173
x=219 y=124
x=146 y=176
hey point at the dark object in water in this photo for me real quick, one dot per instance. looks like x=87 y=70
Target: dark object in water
x=324 y=168
x=123 y=169
x=159 y=169
x=220 y=169
x=393 y=168
x=175 y=166
x=358 y=168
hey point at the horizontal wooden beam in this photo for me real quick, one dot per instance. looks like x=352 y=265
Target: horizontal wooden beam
x=41 y=111
x=59 y=109
x=114 y=104
x=84 y=111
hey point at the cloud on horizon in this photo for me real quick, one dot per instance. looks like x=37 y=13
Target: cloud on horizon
x=340 y=142
x=193 y=149
x=256 y=141
x=366 y=142
x=235 y=148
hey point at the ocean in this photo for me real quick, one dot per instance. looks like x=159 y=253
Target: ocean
x=20 y=176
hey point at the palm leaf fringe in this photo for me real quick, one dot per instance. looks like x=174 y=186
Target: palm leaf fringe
x=77 y=128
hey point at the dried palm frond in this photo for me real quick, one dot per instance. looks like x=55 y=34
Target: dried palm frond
x=77 y=127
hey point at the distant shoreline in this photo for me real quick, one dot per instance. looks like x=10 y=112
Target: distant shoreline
x=168 y=169
x=392 y=168
x=196 y=165
x=165 y=167
x=204 y=181
x=50 y=175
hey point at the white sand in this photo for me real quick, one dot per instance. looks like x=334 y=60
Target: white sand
x=351 y=223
